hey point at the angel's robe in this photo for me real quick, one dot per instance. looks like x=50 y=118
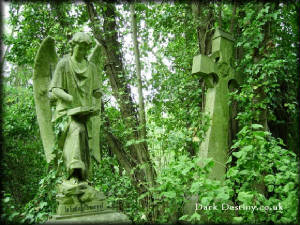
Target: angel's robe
x=81 y=85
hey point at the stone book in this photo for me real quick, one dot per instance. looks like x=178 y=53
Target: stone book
x=82 y=111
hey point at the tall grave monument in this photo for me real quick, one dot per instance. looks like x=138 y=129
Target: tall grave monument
x=68 y=97
x=219 y=76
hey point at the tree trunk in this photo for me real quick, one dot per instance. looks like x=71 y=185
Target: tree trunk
x=138 y=158
x=142 y=115
x=204 y=27
x=205 y=24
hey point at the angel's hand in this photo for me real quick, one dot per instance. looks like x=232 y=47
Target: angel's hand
x=69 y=98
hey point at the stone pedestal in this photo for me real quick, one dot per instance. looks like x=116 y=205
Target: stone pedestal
x=94 y=212
x=107 y=216
x=81 y=204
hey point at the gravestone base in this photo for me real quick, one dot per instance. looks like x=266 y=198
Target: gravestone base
x=93 y=212
x=107 y=216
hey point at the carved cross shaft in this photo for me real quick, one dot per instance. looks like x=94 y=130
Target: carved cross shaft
x=217 y=71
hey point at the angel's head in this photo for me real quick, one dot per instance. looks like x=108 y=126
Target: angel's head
x=81 y=43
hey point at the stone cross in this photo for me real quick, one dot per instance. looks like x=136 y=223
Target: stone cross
x=219 y=76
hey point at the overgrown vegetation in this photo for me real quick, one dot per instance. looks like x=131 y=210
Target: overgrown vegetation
x=151 y=178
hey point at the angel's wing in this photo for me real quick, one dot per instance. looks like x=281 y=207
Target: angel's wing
x=44 y=65
x=94 y=123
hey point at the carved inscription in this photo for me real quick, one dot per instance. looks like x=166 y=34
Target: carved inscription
x=82 y=208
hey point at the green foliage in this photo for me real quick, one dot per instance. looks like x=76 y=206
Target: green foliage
x=9 y=213
x=261 y=167
x=176 y=98
x=182 y=179
x=262 y=170
x=269 y=69
x=264 y=175
x=23 y=157
x=23 y=160
x=111 y=179
x=32 y=22
x=43 y=204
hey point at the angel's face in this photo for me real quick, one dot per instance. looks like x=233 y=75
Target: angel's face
x=81 y=50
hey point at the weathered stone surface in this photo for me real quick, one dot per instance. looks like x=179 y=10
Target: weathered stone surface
x=78 y=198
x=218 y=73
x=216 y=69
x=77 y=208
x=105 y=217
x=45 y=62
x=73 y=86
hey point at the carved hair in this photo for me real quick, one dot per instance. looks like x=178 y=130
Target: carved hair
x=80 y=37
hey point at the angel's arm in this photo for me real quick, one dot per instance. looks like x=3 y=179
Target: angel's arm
x=58 y=83
x=60 y=93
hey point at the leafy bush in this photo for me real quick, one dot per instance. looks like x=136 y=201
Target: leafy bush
x=27 y=193
x=23 y=162
x=116 y=185
x=264 y=174
x=182 y=179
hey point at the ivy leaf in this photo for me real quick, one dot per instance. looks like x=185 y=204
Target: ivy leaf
x=245 y=197
x=288 y=187
x=256 y=126
x=237 y=154
x=232 y=172
x=270 y=188
x=229 y=160
x=270 y=179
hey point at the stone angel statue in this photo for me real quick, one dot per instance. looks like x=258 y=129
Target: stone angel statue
x=73 y=83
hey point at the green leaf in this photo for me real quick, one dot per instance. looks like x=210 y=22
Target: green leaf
x=256 y=126
x=229 y=159
x=270 y=188
x=288 y=187
x=237 y=154
x=143 y=195
x=270 y=179
x=237 y=219
x=223 y=196
x=195 y=217
x=232 y=172
x=283 y=168
x=245 y=197
x=184 y=217
x=206 y=200
x=43 y=204
x=244 y=172
x=196 y=187
x=169 y=194
x=6 y=199
x=259 y=134
x=247 y=148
